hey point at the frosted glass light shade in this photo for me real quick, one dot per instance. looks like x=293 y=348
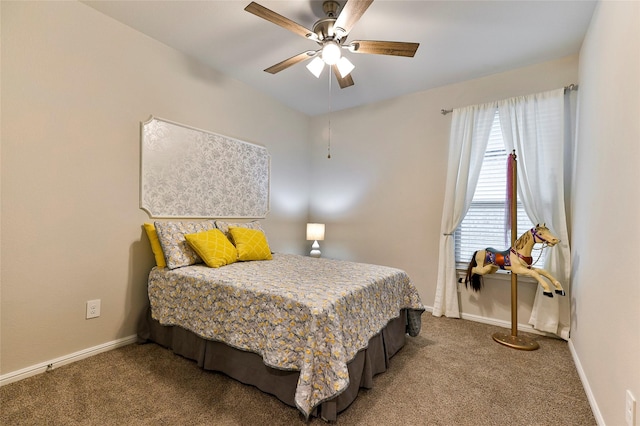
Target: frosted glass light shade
x=345 y=66
x=331 y=53
x=316 y=66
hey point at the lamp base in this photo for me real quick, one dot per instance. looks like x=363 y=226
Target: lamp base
x=315 y=249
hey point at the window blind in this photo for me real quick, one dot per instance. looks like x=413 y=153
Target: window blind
x=484 y=224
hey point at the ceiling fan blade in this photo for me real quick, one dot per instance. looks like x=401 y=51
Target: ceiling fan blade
x=350 y=14
x=291 y=61
x=278 y=19
x=342 y=81
x=395 y=48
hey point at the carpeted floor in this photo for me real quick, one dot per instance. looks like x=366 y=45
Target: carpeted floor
x=452 y=374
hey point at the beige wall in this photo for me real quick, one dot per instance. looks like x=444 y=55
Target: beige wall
x=381 y=193
x=75 y=87
x=606 y=291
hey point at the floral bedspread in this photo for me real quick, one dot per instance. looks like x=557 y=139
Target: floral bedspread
x=300 y=313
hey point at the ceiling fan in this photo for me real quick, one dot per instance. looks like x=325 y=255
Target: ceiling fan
x=331 y=34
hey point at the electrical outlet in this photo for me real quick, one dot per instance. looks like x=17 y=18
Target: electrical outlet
x=93 y=308
x=630 y=409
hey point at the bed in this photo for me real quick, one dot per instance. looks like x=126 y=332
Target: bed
x=309 y=331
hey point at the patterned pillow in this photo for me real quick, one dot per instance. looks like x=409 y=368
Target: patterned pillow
x=250 y=243
x=156 y=248
x=177 y=252
x=224 y=226
x=213 y=247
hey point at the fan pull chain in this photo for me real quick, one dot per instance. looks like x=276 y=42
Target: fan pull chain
x=329 y=137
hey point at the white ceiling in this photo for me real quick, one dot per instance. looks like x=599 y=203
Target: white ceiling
x=459 y=40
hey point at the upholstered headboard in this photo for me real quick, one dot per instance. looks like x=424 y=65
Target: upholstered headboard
x=191 y=173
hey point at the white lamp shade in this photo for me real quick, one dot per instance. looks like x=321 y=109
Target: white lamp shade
x=315 y=231
x=316 y=66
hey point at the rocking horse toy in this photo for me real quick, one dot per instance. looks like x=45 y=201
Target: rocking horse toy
x=516 y=259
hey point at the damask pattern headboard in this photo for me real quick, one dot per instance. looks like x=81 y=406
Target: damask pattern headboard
x=191 y=173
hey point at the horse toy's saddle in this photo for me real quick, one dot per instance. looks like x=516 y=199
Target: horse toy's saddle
x=502 y=259
x=496 y=257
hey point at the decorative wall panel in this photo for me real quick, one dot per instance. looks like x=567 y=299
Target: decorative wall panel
x=191 y=173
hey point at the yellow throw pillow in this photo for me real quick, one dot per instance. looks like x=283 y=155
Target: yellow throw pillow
x=156 y=248
x=251 y=244
x=213 y=247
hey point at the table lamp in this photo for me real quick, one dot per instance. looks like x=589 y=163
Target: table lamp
x=315 y=233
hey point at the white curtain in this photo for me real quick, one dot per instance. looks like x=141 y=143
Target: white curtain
x=540 y=131
x=470 y=128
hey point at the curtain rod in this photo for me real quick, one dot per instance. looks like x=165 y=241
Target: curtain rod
x=568 y=88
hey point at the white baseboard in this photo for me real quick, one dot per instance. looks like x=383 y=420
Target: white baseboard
x=527 y=328
x=585 y=384
x=14 y=376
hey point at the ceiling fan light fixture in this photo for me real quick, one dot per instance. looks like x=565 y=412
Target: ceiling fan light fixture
x=331 y=52
x=316 y=66
x=345 y=66
x=331 y=33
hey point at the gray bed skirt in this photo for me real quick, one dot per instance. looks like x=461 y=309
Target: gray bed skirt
x=248 y=367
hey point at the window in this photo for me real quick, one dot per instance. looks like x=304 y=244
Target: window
x=483 y=226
